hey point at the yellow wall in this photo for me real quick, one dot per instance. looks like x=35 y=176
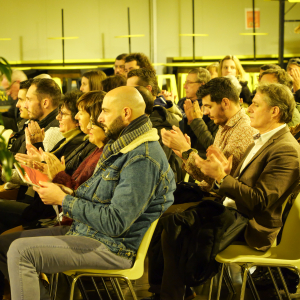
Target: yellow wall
x=96 y=23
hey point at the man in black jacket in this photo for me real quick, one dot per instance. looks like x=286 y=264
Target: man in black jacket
x=202 y=133
x=42 y=101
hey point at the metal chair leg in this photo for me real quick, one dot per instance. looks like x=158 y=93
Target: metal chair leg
x=252 y=286
x=131 y=288
x=119 y=288
x=96 y=288
x=228 y=281
x=274 y=282
x=106 y=288
x=54 y=288
x=284 y=284
x=220 y=282
x=211 y=287
x=115 y=288
x=245 y=275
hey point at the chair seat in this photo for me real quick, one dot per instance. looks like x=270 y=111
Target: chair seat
x=132 y=274
x=244 y=254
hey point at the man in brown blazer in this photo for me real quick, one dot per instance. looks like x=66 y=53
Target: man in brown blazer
x=268 y=172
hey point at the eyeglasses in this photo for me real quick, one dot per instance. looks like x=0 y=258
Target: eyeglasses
x=295 y=61
x=8 y=88
x=62 y=114
x=190 y=82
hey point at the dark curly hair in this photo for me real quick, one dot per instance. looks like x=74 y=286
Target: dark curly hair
x=69 y=101
x=141 y=59
x=219 y=88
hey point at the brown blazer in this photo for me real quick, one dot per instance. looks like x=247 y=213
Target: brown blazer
x=264 y=184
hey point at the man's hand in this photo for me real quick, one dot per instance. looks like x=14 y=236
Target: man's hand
x=211 y=167
x=33 y=133
x=54 y=165
x=168 y=95
x=192 y=110
x=226 y=163
x=295 y=73
x=175 y=140
x=50 y=193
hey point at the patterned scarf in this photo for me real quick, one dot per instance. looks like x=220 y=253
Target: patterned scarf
x=135 y=129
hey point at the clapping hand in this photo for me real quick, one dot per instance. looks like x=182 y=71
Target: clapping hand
x=216 y=151
x=33 y=133
x=54 y=165
x=192 y=110
x=175 y=140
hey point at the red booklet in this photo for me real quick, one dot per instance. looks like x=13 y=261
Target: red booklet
x=31 y=176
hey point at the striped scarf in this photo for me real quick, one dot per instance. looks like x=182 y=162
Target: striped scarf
x=136 y=128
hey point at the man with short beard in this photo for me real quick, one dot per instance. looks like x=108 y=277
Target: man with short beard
x=41 y=103
x=131 y=188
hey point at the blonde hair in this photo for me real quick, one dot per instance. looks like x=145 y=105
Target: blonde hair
x=240 y=72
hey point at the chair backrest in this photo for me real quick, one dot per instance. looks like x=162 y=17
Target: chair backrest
x=138 y=267
x=290 y=241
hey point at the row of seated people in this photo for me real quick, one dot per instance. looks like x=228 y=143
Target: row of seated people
x=111 y=183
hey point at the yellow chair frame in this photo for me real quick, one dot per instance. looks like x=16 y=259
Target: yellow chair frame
x=127 y=275
x=282 y=255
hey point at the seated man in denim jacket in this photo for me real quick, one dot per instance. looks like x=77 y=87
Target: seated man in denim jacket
x=131 y=187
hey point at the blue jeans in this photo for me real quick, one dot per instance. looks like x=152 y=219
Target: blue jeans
x=23 y=255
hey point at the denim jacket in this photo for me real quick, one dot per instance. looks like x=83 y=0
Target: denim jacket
x=118 y=203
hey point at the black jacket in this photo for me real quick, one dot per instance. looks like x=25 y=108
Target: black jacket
x=201 y=131
x=161 y=118
x=197 y=234
x=17 y=143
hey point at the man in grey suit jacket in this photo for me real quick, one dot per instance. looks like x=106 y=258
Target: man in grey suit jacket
x=268 y=172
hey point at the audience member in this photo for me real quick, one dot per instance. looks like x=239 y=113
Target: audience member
x=293 y=68
x=119 y=68
x=267 y=174
x=203 y=130
x=110 y=232
x=92 y=81
x=147 y=78
x=11 y=117
x=221 y=103
x=230 y=65
x=213 y=70
x=267 y=67
x=113 y=82
x=282 y=77
x=42 y=99
x=24 y=212
x=137 y=61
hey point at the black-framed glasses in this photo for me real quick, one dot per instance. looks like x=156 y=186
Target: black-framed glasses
x=61 y=114
x=295 y=61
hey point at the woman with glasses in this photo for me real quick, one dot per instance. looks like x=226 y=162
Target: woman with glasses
x=230 y=65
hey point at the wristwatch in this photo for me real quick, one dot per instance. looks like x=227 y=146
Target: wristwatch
x=186 y=154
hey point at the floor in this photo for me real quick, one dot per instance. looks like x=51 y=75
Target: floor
x=141 y=288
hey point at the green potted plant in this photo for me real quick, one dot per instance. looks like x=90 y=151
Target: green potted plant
x=7 y=160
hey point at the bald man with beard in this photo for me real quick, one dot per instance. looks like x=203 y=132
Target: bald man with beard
x=131 y=187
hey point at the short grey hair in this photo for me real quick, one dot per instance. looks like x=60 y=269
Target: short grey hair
x=235 y=82
x=202 y=74
x=276 y=94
